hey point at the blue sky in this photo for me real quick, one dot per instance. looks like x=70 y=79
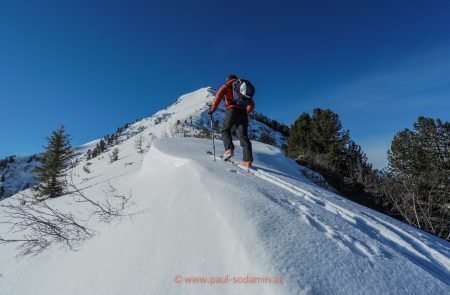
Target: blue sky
x=95 y=65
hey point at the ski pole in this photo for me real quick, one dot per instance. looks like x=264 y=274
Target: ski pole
x=212 y=135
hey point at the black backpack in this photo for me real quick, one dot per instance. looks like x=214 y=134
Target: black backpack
x=243 y=92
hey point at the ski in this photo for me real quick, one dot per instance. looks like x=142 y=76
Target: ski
x=232 y=162
x=237 y=164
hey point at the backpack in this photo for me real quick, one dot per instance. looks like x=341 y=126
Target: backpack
x=243 y=92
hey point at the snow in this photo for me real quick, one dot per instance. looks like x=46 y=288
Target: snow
x=186 y=117
x=194 y=105
x=18 y=175
x=195 y=217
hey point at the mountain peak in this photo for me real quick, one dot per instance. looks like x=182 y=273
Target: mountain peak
x=186 y=117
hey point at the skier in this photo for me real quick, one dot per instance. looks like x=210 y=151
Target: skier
x=239 y=103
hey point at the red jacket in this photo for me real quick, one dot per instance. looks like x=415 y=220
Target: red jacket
x=227 y=91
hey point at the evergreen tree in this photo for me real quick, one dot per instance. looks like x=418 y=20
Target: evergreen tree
x=54 y=162
x=326 y=134
x=300 y=141
x=88 y=154
x=319 y=142
x=2 y=179
x=418 y=186
x=102 y=146
x=94 y=152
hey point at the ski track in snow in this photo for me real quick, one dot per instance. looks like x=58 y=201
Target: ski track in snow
x=412 y=248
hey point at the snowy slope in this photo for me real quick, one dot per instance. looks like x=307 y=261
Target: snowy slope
x=186 y=117
x=189 y=114
x=17 y=174
x=200 y=218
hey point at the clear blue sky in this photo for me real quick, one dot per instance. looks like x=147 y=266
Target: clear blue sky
x=95 y=65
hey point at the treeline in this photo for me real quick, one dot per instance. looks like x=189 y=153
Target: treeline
x=4 y=162
x=274 y=124
x=414 y=187
x=108 y=141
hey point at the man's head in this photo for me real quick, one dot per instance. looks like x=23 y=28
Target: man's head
x=231 y=77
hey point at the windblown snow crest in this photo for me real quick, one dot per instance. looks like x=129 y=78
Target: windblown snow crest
x=156 y=154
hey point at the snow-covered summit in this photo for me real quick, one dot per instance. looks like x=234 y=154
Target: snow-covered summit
x=186 y=117
x=189 y=115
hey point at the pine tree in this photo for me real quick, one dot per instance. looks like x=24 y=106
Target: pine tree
x=110 y=140
x=418 y=186
x=88 y=154
x=94 y=152
x=102 y=146
x=319 y=142
x=299 y=142
x=320 y=137
x=326 y=134
x=54 y=162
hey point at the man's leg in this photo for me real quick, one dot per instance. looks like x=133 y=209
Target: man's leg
x=242 y=131
x=226 y=130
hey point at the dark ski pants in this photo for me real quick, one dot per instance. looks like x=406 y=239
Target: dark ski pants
x=238 y=118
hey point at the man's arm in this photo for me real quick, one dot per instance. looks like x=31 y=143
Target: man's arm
x=219 y=96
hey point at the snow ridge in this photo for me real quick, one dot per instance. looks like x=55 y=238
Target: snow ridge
x=197 y=217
